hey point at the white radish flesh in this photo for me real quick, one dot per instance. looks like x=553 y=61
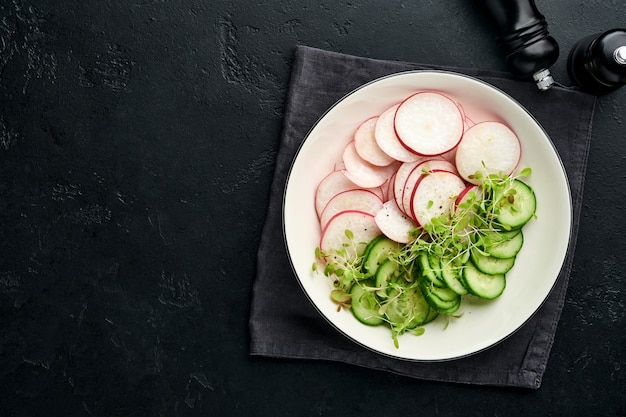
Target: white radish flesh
x=429 y=123
x=361 y=200
x=394 y=223
x=331 y=185
x=434 y=195
x=387 y=140
x=361 y=172
x=400 y=178
x=366 y=146
x=363 y=228
x=420 y=169
x=488 y=148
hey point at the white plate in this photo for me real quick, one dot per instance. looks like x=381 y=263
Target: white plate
x=484 y=323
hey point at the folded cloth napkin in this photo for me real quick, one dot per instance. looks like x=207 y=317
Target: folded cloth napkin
x=284 y=324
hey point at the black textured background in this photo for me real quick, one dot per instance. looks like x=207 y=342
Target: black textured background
x=137 y=144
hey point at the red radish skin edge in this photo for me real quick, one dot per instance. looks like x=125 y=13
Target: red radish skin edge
x=359 y=235
x=362 y=200
x=468 y=164
x=362 y=172
x=412 y=208
x=451 y=145
x=411 y=180
x=366 y=146
x=393 y=223
x=463 y=193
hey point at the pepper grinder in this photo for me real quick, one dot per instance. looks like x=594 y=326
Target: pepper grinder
x=522 y=34
x=597 y=63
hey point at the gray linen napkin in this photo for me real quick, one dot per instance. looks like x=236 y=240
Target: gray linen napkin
x=284 y=324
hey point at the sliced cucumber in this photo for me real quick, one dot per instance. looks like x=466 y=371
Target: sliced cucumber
x=483 y=285
x=491 y=265
x=432 y=315
x=451 y=275
x=430 y=274
x=408 y=307
x=517 y=207
x=507 y=247
x=443 y=300
x=376 y=252
x=387 y=273
x=364 y=305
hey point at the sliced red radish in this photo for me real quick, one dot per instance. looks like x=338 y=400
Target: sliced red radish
x=331 y=185
x=429 y=123
x=361 y=200
x=471 y=192
x=366 y=146
x=361 y=172
x=434 y=195
x=450 y=156
x=387 y=188
x=387 y=140
x=400 y=178
x=393 y=223
x=465 y=208
x=469 y=122
x=488 y=148
x=363 y=228
x=420 y=169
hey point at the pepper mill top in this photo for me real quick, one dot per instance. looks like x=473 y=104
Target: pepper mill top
x=597 y=63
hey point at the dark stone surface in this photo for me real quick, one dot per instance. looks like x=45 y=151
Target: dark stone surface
x=137 y=143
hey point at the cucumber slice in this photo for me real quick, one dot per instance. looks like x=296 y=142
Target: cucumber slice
x=482 y=285
x=451 y=275
x=432 y=315
x=518 y=208
x=429 y=273
x=364 y=305
x=443 y=300
x=408 y=307
x=387 y=273
x=491 y=265
x=507 y=247
x=376 y=252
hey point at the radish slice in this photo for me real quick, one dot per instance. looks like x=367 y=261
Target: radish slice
x=387 y=140
x=400 y=179
x=361 y=200
x=450 y=156
x=361 y=172
x=473 y=193
x=387 y=188
x=362 y=225
x=333 y=184
x=429 y=123
x=393 y=223
x=434 y=195
x=470 y=192
x=415 y=175
x=489 y=148
x=366 y=146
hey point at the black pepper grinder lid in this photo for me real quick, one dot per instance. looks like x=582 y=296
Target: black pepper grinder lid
x=597 y=63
